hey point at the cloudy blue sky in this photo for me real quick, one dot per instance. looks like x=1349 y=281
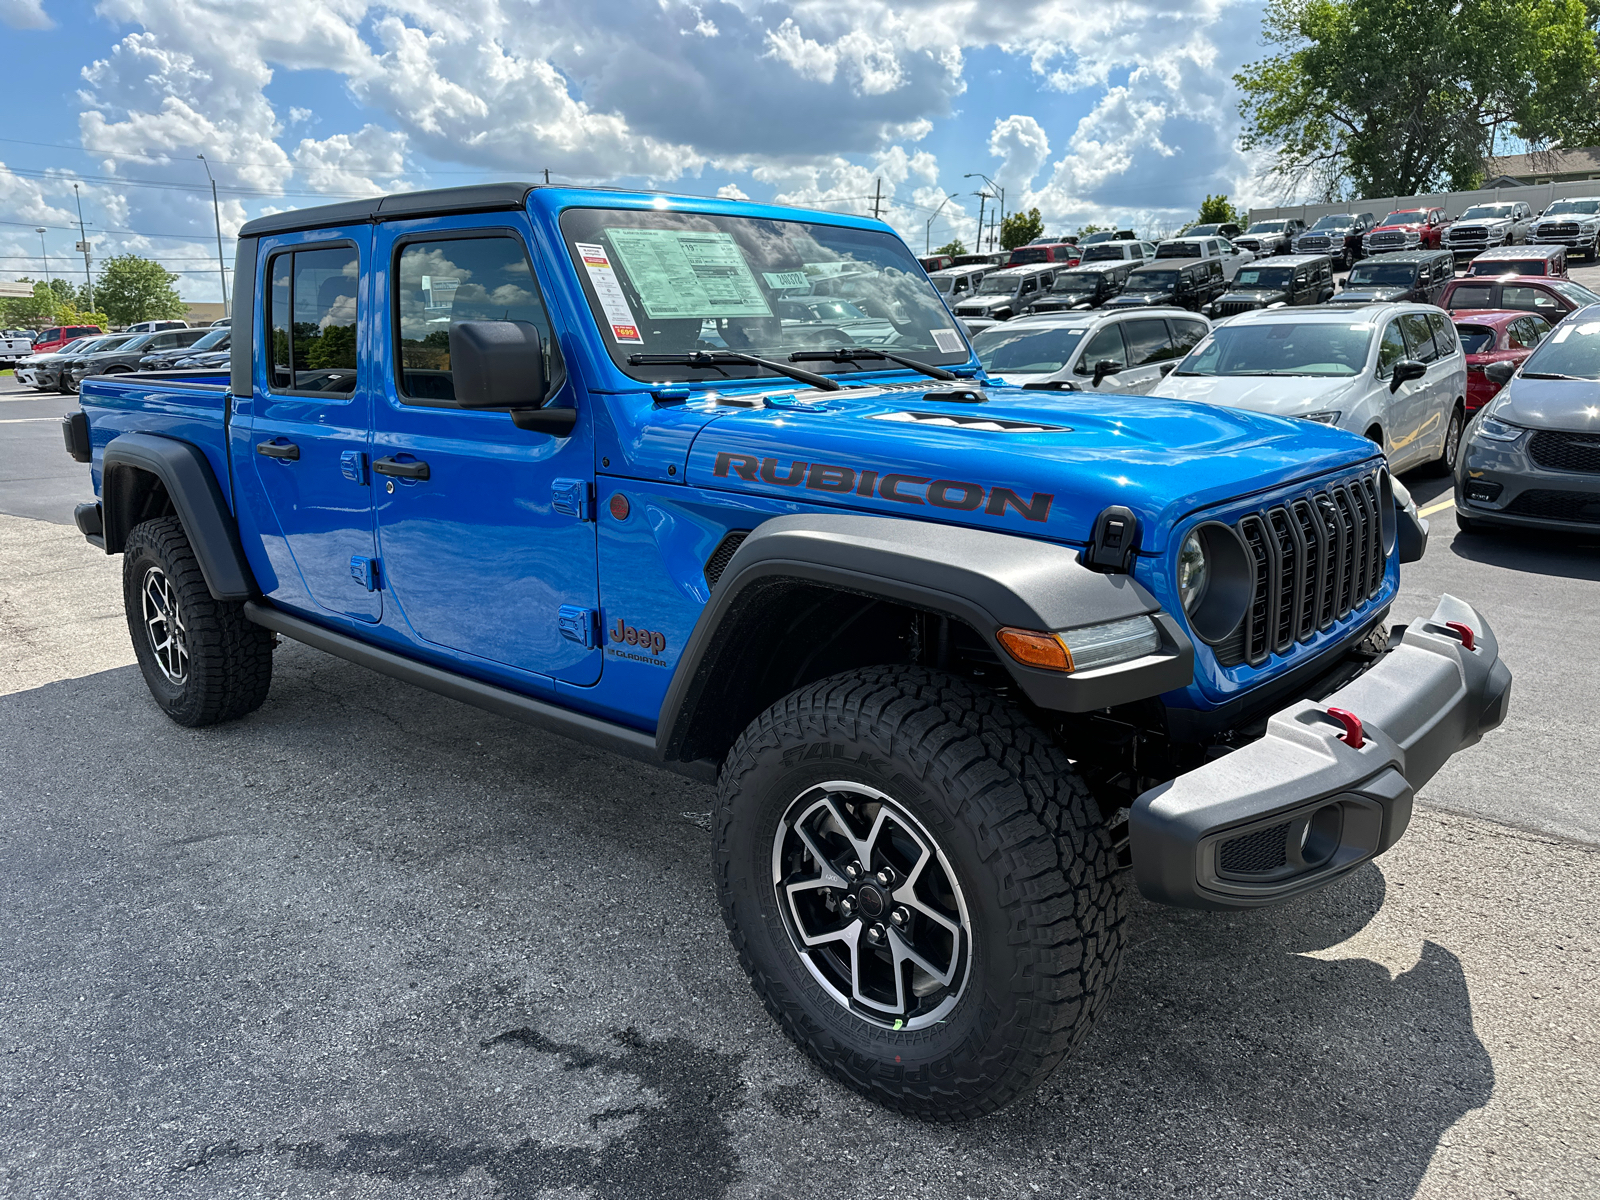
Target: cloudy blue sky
x=1089 y=110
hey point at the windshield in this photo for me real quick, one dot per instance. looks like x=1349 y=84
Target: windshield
x=677 y=282
x=1269 y=227
x=1486 y=212
x=1506 y=266
x=122 y=342
x=1409 y=216
x=998 y=285
x=1105 y=252
x=1080 y=281
x=1151 y=281
x=1264 y=277
x=1584 y=207
x=1026 y=351
x=1371 y=274
x=1570 y=350
x=1202 y=231
x=1334 y=221
x=1577 y=293
x=1030 y=254
x=217 y=339
x=1179 y=250
x=1281 y=348
x=1475 y=339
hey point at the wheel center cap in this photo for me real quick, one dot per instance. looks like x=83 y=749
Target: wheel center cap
x=871 y=901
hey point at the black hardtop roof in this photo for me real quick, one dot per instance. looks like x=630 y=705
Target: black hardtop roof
x=476 y=197
x=1288 y=260
x=1408 y=256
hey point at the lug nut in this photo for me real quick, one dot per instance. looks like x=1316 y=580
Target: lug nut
x=886 y=877
x=847 y=906
x=899 y=916
x=875 y=934
x=853 y=870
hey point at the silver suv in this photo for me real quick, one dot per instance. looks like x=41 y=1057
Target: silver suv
x=1102 y=351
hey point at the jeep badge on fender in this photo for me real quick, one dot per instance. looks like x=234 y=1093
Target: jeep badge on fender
x=643 y=638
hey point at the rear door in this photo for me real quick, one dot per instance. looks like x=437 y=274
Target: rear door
x=1530 y=297
x=492 y=553
x=311 y=418
x=1419 y=405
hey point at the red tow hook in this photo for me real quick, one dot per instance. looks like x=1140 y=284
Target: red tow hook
x=1352 y=735
x=1468 y=638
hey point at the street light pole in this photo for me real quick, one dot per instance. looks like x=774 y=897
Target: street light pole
x=1002 y=194
x=83 y=244
x=216 y=212
x=41 y=231
x=927 y=240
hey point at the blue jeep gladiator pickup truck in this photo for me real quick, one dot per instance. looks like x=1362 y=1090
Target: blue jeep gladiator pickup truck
x=721 y=486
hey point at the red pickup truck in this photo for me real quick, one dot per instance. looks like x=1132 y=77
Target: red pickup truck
x=1407 y=229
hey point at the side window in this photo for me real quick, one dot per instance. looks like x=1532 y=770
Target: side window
x=1528 y=299
x=1419 y=336
x=1029 y=285
x=311 y=320
x=439 y=282
x=1104 y=346
x=1518 y=336
x=1301 y=279
x=1186 y=335
x=162 y=341
x=1147 y=342
x=1471 y=296
x=1391 y=349
x=1537 y=328
x=1444 y=334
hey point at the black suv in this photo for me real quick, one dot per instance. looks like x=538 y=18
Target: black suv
x=1191 y=285
x=1419 y=275
x=1295 y=279
x=1084 y=287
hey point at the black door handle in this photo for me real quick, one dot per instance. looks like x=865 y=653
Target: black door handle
x=273 y=450
x=404 y=470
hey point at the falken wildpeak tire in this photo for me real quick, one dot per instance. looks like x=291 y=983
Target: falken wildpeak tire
x=202 y=659
x=1023 y=842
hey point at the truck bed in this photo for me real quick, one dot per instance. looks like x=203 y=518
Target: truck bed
x=192 y=406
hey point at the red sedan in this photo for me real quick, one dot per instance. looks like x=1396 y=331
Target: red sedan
x=1489 y=336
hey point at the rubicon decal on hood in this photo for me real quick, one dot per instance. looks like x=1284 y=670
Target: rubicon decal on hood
x=887 y=484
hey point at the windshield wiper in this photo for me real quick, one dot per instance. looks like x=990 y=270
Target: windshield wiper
x=1553 y=375
x=844 y=354
x=718 y=358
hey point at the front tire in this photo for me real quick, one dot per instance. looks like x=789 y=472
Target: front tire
x=202 y=659
x=920 y=888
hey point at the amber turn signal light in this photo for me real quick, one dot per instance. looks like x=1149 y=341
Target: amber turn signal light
x=1043 y=650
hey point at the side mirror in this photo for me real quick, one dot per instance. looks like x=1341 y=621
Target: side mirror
x=1500 y=372
x=1405 y=371
x=1103 y=368
x=500 y=364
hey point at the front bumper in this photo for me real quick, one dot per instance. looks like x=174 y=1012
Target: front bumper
x=1499 y=483
x=1301 y=807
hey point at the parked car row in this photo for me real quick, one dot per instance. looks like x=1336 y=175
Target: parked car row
x=114 y=354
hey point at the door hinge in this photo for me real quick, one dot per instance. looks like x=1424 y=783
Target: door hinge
x=353 y=465
x=574 y=497
x=366 y=572
x=581 y=625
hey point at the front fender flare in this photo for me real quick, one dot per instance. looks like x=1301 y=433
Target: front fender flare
x=187 y=476
x=988 y=580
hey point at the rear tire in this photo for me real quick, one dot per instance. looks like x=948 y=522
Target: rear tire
x=1445 y=464
x=1001 y=877
x=203 y=661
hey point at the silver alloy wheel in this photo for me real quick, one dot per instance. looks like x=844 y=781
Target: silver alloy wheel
x=1452 y=440
x=872 y=905
x=163 y=624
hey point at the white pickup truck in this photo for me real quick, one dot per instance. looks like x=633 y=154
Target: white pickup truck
x=14 y=344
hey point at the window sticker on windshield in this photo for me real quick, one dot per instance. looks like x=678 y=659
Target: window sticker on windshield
x=609 y=292
x=947 y=340
x=786 y=279
x=688 y=273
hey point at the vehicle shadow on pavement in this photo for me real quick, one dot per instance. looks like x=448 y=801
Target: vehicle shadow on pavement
x=1564 y=555
x=371 y=938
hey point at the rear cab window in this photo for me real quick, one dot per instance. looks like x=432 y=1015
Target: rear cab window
x=311 y=320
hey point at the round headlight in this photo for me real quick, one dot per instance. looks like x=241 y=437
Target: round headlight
x=1192 y=572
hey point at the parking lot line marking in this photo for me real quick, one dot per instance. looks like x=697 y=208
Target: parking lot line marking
x=25 y=420
x=1439 y=507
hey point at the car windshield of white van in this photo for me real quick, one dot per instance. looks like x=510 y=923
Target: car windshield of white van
x=1281 y=348
x=1026 y=351
x=683 y=284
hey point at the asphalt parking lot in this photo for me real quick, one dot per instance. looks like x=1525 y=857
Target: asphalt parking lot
x=370 y=942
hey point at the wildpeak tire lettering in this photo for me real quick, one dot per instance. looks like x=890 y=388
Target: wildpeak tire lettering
x=887 y=485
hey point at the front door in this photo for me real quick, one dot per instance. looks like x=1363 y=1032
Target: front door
x=487 y=535
x=1419 y=405
x=311 y=420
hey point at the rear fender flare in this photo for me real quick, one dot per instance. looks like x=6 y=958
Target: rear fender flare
x=196 y=497
x=988 y=580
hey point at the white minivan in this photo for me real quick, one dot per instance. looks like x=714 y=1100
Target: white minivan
x=1394 y=373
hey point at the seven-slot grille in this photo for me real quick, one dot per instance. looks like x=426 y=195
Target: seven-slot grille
x=1317 y=558
x=1232 y=308
x=1566 y=451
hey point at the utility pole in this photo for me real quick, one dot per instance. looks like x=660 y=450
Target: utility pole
x=547 y=176
x=83 y=245
x=977 y=245
x=216 y=212
x=41 y=231
x=877 y=198
x=1000 y=194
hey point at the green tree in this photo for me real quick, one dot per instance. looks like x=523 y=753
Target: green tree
x=1215 y=210
x=136 y=289
x=1020 y=228
x=47 y=307
x=1085 y=230
x=1401 y=97
x=953 y=246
